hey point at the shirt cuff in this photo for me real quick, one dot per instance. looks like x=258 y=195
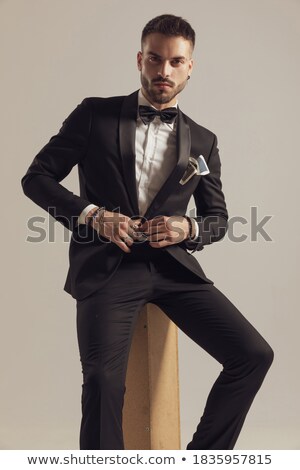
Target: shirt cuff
x=84 y=213
x=196 y=228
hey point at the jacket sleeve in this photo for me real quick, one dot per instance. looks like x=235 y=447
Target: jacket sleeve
x=54 y=162
x=212 y=215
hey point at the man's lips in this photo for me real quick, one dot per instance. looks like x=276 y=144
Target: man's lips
x=162 y=85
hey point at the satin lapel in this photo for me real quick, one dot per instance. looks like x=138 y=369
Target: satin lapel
x=183 y=146
x=127 y=131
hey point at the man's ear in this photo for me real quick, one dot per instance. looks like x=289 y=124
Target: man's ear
x=191 y=65
x=139 y=59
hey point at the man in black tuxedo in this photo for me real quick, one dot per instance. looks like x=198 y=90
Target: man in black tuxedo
x=140 y=159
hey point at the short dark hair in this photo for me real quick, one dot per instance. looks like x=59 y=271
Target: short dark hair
x=170 y=25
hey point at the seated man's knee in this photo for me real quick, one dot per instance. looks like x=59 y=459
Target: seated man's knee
x=261 y=357
x=105 y=380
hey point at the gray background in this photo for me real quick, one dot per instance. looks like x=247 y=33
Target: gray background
x=245 y=87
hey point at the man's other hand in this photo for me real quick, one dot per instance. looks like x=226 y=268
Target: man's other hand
x=163 y=230
x=118 y=228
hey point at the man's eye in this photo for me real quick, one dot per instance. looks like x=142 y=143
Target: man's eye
x=176 y=62
x=153 y=59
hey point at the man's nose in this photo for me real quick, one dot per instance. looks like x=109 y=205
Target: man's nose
x=165 y=69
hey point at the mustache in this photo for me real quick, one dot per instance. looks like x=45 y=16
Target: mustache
x=163 y=80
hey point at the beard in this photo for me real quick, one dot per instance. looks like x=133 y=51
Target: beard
x=158 y=96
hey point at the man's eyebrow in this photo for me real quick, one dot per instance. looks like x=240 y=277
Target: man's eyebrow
x=154 y=53
x=172 y=58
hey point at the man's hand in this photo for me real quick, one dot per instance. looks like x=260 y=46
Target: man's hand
x=118 y=228
x=163 y=231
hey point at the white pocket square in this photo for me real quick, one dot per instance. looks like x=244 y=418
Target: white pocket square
x=203 y=168
x=196 y=166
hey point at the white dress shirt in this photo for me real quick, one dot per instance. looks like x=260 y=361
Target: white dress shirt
x=155 y=149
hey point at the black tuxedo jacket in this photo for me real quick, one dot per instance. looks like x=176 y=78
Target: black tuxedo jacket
x=99 y=136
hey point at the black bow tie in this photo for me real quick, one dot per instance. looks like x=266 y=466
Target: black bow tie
x=147 y=114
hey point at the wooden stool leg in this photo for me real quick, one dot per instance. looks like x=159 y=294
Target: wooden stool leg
x=151 y=417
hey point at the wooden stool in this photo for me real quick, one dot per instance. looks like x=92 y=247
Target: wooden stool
x=151 y=417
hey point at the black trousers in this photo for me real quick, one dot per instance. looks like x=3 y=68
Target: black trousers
x=105 y=326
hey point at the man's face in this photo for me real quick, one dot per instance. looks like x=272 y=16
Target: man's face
x=165 y=64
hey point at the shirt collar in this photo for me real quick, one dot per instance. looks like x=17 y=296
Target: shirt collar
x=142 y=101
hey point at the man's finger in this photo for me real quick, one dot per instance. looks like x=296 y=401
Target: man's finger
x=160 y=244
x=156 y=228
x=122 y=244
x=154 y=237
x=127 y=239
x=152 y=223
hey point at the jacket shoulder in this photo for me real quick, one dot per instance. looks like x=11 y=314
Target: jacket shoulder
x=102 y=100
x=99 y=103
